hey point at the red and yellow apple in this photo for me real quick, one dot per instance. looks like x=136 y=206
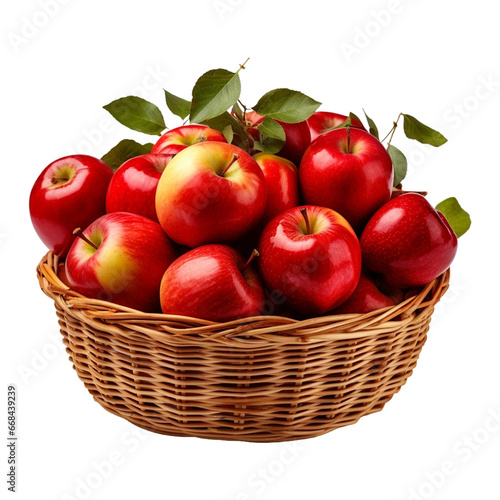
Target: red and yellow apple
x=211 y=192
x=121 y=257
x=177 y=139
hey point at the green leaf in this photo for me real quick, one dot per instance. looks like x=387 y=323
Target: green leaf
x=125 y=150
x=240 y=137
x=422 y=133
x=177 y=105
x=399 y=163
x=228 y=134
x=458 y=218
x=372 y=127
x=271 y=129
x=270 y=146
x=237 y=110
x=352 y=116
x=138 y=114
x=214 y=92
x=289 y=106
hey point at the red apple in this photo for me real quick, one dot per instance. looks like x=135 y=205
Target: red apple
x=69 y=193
x=212 y=192
x=211 y=282
x=349 y=171
x=408 y=242
x=133 y=186
x=282 y=182
x=311 y=256
x=121 y=258
x=177 y=139
x=297 y=135
x=322 y=121
x=369 y=296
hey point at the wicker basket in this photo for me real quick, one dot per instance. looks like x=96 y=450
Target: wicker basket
x=263 y=379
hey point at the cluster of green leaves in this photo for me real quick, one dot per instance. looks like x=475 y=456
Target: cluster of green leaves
x=214 y=102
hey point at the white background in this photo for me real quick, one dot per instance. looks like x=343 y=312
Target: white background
x=426 y=58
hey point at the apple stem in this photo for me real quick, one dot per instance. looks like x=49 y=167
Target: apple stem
x=202 y=139
x=303 y=211
x=393 y=129
x=242 y=66
x=348 y=139
x=235 y=158
x=254 y=254
x=78 y=231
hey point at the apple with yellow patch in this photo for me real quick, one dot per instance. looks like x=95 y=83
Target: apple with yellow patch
x=177 y=139
x=121 y=258
x=211 y=192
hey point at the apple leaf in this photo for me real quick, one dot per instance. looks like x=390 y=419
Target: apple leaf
x=352 y=116
x=269 y=145
x=399 y=163
x=289 y=106
x=228 y=133
x=221 y=122
x=214 y=92
x=422 y=133
x=125 y=150
x=458 y=218
x=271 y=129
x=177 y=105
x=137 y=114
x=372 y=127
x=237 y=111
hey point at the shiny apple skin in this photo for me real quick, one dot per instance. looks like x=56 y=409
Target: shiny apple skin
x=177 y=139
x=314 y=272
x=57 y=210
x=408 y=242
x=210 y=282
x=366 y=298
x=132 y=256
x=354 y=184
x=133 y=186
x=298 y=137
x=196 y=205
x=282 y=181
x=320 y=122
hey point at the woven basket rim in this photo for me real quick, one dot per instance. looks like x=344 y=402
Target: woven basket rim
x=266 y=329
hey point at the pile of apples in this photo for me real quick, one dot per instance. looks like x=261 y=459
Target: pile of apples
x=251 y=215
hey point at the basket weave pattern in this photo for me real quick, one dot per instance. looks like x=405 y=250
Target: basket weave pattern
x=263 y=379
